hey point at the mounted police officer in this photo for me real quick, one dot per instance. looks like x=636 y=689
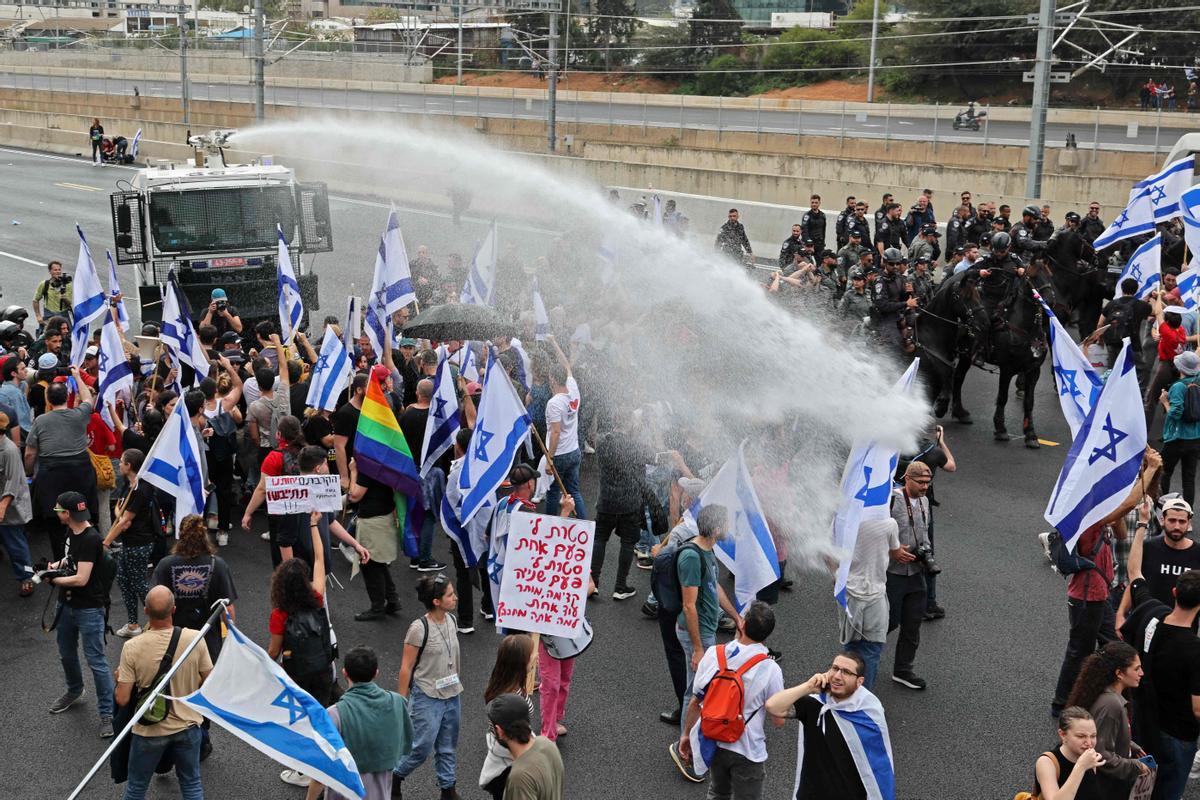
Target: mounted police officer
x=1025 y=243
x=891 y=298
x=997 y=273
x=1091 y=225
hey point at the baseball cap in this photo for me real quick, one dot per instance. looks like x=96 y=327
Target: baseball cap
x=230 y=337
x=928 y=229
x=1177 y=504
x=506 y=709
x=407 y=342
x=923 y=259
x=855 y=233
x=74 y=504
x=809 y=241
x=474 y=388
x=91 y=352
x=47 y=361
x=693 y=486
x=380 y=373
x=219 y=294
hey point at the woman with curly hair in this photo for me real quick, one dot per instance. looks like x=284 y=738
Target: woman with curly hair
x=198 y=577
x=1103 y=680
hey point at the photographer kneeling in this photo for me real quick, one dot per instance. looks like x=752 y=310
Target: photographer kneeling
x=906 y=572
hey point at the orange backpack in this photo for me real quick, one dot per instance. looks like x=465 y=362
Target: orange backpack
x=721 y=713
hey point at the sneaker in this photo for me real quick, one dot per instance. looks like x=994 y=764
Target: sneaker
x=66 y=701
x=909 y=680
x=1044 y=538
x=935 y=612
x=222 y=538
x=392 y=609
x=650 y=610
x=640 y=553
x=623 y=592
x=370 y=615
x=645 y=562
x=726 y=624
x=265 y=536
x=466 y=629
x=487 y=615
x=588 y=450
x=685 y=769
x=106 y=728
x=1194 y=773
x=294 y=777
x=414 y=563
x=432 y=565
x=670 y=717
x=130 y=630
x=775 y=655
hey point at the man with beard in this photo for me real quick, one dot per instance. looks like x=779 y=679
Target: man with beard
x=1166 y=557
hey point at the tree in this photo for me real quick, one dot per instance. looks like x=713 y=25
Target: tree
x=708 y=33
x=808 y=50
x=612 y=26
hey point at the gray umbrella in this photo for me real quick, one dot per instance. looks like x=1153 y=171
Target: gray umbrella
x=459 y=321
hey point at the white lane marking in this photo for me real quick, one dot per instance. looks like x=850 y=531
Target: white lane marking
x=52 y=157
x=16 y=257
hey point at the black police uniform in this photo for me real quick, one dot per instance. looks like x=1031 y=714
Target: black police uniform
x=788 y=250
x=812 y=226
x=891 y=232
x=1025 y=244
x=889 y=299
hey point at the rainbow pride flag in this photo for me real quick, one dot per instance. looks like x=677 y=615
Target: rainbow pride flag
x=381 y=452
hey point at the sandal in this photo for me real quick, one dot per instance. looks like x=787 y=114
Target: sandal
x=26 y=588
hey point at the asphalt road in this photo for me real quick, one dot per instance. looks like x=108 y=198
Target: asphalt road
x=991 y=664
x=879 y=124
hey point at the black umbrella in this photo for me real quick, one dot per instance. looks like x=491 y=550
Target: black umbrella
x=459 y=321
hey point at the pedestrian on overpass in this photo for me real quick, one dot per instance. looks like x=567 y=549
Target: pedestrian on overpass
x=96 y=137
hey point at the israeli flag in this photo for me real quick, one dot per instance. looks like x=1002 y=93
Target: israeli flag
x=464 y=359
x=1189 y=280
x=1077 y=381
x=480 y=288
x=861 y=721
x=250 y=695
x=177 y=332
x=1145 y=267
x=471 y=539
x=114 y=376
x=441 y=424
x=1105 y=457
x=354 y=324
x=1153 y=200
x=866 y=491
x=541 y=320
x=748 y=550
x=331 y=373
x=291 y=305
x=501 y=425
x=657 y=219
x=173 y=464
x=137 y=141
x=88 y=300
x=524 y=364
x=391 y=286
x=114 y=289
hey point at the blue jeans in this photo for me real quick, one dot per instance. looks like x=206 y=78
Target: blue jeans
x=12 y=537
x=1174 y=762
x=870 y=652
x=435 y=729
x=685 y=641
x=144 y=755
x=88 y=624
x=568 y=469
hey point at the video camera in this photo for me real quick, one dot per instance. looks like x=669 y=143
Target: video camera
x=65 y=569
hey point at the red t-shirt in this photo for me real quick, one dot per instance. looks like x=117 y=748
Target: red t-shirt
x=278 y=619
x=101 y=440
x=1171 y=341
x=273 y=464
x=1092 y=584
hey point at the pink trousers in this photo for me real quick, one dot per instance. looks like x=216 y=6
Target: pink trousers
x=554 y=684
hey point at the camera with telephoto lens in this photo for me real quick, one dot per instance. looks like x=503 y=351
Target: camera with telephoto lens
x=924 y=554
x=65 y=569
x=222 y=305
x=61 y=281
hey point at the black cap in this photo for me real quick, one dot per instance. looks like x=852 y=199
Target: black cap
x=74 y=504
x=506 y=709
x=808 y=241
x=928 y=229
x=521 y=473
x=827 y=253
x=960 y=249
x=855 y=233
x=923 y=259
x=230 y=337
x=1072 y=216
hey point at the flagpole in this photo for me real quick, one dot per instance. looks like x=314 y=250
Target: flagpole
x=549 y=460
x=219 y=607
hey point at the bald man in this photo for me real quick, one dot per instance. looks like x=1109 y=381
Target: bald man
x=179 y=731
x=906 y=572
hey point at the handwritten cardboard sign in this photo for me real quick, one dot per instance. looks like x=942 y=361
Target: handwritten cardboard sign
x=297 y=494
x=546 y=569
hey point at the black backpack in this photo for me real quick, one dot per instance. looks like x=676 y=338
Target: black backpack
x=1191 y=402
x=664 y=578
x=307 y=645
x=1119 y=320
x=1066 y=562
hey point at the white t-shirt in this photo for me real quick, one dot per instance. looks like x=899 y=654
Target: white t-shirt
x=868 y=567
x=763 y=680
x=250 y=389
x=564 y=409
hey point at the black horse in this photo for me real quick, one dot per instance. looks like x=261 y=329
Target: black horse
x=1080 y=279
x=1016 y=344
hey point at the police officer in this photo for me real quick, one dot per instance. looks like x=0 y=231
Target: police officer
x=1003 y=214
x=791 y=245
x=1043 y=229
x=849 y=256
x=1025 y=244
x=882 y=212
x=1091 y=225
x=843 y=219
x=979 y=225
x=813 y=223
x=925 y=246
x=859 y=222
x=856 y=303
x=890 y=296
x=996 y=271
x=891 y=232
x=831 y=280
x=732 y=239
x=956 y=228
x=921 y=279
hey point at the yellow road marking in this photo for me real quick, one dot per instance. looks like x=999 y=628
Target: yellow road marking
x=81 y=187
x=1048 y=443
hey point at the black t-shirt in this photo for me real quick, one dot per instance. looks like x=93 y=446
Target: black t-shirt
x=83 y=547
x=622 y=461
x=298 y=399
x=315 y=429
x=379 y=499
x=142 y=528
x=1162 y=566
x=828 y=770
x=1138 y=311
x=345 y=423
x=412 y=422
x=218 y=320
x=1175 y=666
x=197 y=583
x=132 y=440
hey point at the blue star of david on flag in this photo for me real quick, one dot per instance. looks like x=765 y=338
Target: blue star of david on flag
x=1115 y=437
x=290 y=702
x=874 y=495
x=481 y=453
x=1121 y=220
x=1067 y=382
x=439 y=409
x=1158 y=194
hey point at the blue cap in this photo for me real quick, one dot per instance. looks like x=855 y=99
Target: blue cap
x=218 y=294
